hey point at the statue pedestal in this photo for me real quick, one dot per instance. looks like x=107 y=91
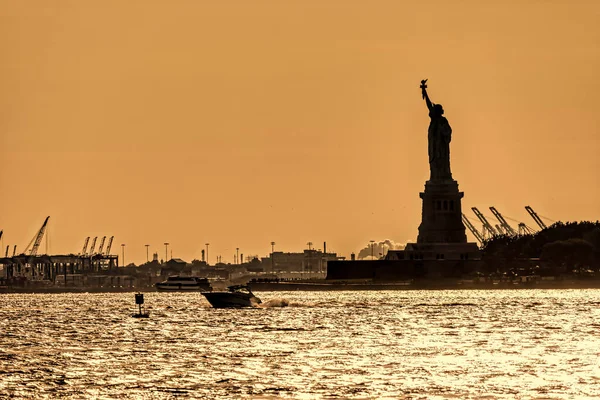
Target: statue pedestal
x=441 y=218
x=442 y=234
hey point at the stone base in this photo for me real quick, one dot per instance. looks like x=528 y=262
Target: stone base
x=436 y=251
x=401 y=270
x=441 y=220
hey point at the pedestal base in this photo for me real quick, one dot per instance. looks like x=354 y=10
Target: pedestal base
x=436 y=251
x=441 y=220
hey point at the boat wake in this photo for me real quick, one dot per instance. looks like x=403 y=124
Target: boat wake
x=276 y=302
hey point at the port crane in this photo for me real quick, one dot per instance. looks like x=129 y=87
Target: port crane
x=91 y=253
x=14 y=250
x=6 y=254
x=536 y=217
x=500 y=230
x=507 y=228
x=36 y=240
x=525 y=230
x=486 y=225
x=101 y=245
x=522 y=227
x=85 y=246
x=473 y=230
x=109 y=245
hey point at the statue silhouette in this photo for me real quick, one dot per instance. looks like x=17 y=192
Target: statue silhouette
x=439 y=136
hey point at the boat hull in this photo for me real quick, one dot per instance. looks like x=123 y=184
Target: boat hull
x=231 y=300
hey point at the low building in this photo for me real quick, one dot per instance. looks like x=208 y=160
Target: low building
x=310 y=261
x=174 y=266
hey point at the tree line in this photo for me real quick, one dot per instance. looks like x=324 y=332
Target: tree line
x=564 y=248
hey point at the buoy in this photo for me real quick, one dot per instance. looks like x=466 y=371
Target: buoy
x=139 y=300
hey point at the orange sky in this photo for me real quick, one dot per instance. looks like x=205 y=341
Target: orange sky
x=244 y=122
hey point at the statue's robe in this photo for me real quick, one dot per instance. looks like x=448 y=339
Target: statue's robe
x=439 y=135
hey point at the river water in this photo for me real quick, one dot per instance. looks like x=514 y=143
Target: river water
x=495 y=344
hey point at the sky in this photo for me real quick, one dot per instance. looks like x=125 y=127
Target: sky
x=239 y=123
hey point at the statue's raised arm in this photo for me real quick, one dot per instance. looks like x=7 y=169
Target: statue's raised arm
x=439 y=135
x=425 y=96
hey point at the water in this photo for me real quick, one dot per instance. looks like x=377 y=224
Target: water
x=497 y=344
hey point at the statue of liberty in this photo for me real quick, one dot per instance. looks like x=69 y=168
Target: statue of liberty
x=439 y=136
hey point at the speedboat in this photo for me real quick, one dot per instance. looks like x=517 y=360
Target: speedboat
x=184 y=283
x=235 y=296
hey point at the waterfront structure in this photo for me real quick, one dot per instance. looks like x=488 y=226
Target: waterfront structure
x=53 y=267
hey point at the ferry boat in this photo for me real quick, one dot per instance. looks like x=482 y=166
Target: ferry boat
x=235 y=296
x=184 y=283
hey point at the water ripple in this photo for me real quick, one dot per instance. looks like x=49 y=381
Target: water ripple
x=420 y=344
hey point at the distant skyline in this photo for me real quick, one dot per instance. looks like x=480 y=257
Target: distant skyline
x=240 y=123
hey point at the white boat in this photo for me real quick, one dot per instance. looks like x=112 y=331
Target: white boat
x=184 y=283
x=235 y=296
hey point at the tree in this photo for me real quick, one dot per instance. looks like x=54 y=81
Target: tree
x=567 y=256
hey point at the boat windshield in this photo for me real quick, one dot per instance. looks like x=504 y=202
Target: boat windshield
x=239 y=288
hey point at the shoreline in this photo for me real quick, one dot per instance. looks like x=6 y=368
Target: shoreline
x=329 y=286
x=298 y=286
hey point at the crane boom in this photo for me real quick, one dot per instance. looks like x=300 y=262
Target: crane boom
x=1 y=232
x=509 y=229
x=87 y=239
x=109 y=245
x=91 y=253
x=101 y=245
x=6 y=254
x=536 y=217
x=37 y=239
x=473 y=230
x=500 y=230
x=14 y=250
x=485 y=222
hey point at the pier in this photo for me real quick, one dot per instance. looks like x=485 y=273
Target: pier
x=53 y=267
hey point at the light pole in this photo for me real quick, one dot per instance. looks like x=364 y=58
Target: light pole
x=207 y=252
x=166 y=251
x=147 y=245
x=372 y=243
x=237 y=254
x=272 y=256
x=123 y=253
x=309 y=257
